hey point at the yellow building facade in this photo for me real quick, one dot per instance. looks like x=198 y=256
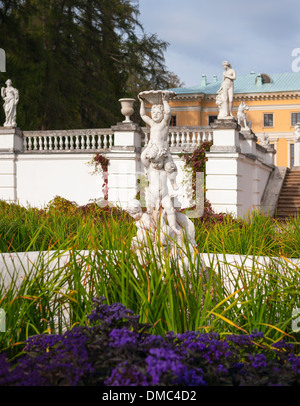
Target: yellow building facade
x=273 y=102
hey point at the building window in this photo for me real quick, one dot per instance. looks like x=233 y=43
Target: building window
x=295 y=119
x=211 y=119
x=292 y=155
x=268 y=120
x=173 y=122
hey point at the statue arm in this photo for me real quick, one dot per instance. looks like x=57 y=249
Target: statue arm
x=143 y=113
x=2 y=92
x=167 y=109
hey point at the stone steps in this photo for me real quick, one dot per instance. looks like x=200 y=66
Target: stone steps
x=289 y=199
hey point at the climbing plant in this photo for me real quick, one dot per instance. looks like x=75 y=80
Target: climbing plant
x=101 y=163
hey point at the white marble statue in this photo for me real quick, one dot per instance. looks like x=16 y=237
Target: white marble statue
x=158 y=146
x=146 y=225
x=242 y=117
x=157 y=157
x=10 y=96
x=224 y=98
x=162 y=223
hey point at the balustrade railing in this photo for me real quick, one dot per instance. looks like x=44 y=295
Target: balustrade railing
x=183 y=137
x=103 y=139
x=68 y=140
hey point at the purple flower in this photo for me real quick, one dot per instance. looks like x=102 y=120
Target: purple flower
x=126 y=375
x=258 y=361
x=42 y=342
x=221 y=369
x=110 y=314
x=116 y=350
x=123 y=338
x=167 y=364
x=283 y=345
x=294 y=362
x=5 y=377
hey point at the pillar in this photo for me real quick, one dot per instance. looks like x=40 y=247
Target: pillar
x=124 y=164
x=11 y=143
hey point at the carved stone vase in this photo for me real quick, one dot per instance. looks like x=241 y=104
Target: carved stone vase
x=127 y=109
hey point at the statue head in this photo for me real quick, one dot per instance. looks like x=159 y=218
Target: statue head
x=134 y=209
x=226 y=64
x=170 y=167
x=157 y=113
x=8 y=82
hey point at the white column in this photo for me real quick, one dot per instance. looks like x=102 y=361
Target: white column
x=289 y=142
x=296 y=153
x=11 y=142
x=222 y=178
x=124 y=164
x=237 y=171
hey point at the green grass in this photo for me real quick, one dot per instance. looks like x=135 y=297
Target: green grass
x=162 y=294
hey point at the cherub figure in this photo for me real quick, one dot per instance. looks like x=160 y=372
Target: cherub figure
x=145 y=224
x=158 y=146
x=158 y=192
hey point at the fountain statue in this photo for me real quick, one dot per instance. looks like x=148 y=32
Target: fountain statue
x=161 y=223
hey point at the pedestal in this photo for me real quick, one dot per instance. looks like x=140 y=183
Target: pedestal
x=226 y=135
x=124 y=164
x=11 y=139
x=11 y=142
x=237 y=169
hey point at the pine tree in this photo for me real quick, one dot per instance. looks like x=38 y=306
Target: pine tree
x=72 y=60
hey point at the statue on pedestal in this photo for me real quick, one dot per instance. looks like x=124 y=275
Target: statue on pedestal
x=10 y=96
x=224 y=98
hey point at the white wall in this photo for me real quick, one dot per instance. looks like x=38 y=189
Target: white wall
x=41 y=177
x=237 y=172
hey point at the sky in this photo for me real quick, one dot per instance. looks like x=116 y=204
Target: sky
x=253 y=35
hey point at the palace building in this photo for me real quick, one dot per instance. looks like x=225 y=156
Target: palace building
x=273 y=101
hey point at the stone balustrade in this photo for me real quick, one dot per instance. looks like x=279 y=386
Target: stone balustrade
x=68 y=140
x=183 y=137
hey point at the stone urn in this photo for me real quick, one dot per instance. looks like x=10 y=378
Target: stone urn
x=127 y=109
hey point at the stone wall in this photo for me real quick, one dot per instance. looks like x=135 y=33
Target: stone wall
x=238 y=169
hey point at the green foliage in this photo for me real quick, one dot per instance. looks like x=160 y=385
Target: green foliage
x=73 y=60
x=102 y=263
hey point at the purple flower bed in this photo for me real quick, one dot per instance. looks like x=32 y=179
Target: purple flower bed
x=117 y=350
